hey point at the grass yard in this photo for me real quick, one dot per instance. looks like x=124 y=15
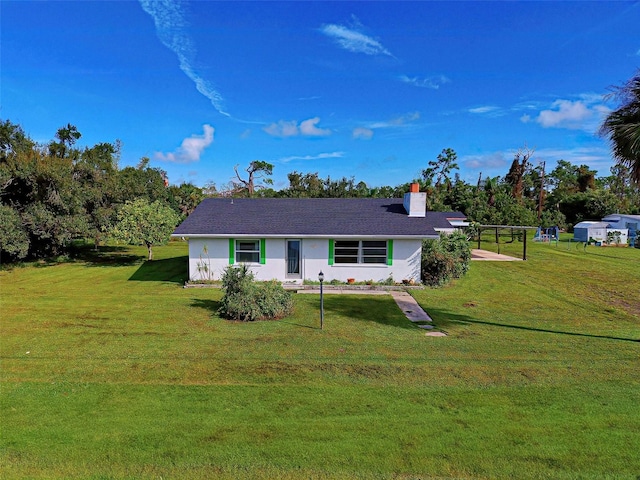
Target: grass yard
x=111 y=370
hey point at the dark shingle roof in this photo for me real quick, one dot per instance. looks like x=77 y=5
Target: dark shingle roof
x=382 y=217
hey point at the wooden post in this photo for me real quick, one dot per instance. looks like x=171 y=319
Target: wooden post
x=524 y=244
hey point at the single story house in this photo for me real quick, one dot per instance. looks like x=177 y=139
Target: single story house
x=598 y=231
x=622 y=221
x=293 y=239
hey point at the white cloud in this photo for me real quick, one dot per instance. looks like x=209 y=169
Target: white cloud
x=399 y=121
x=354 y=41
x=597 y=157
x=171 y=24
x=584 y=112
x=191 y=148
x=434 y=82
x=486 y=161
x=565 y=114
x=320 y=156
x=362 y=133
x=307 y=128
x=484 y=109
x=283 y=129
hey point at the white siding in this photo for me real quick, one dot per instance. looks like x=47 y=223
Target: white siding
x=208 y=257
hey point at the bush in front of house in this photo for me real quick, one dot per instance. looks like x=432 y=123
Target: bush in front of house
x=247 y=300
x=445 y=259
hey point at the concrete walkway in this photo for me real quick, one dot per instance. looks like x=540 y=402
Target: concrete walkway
x=414 y=312
x=487 y=256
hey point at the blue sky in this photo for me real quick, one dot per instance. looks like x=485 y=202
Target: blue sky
x=373 y=90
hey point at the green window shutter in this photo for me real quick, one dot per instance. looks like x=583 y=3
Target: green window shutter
x=263 y=253
x=389 y=252
x=331 y=250
x=232 y=251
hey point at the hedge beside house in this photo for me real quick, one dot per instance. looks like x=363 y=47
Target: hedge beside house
x=247 y=300
x=445 y=259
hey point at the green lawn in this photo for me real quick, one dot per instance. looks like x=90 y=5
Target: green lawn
x=110 y=369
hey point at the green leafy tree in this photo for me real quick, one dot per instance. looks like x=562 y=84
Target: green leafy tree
x=491 y=186
x=42 y=189
x=143 y=223
x=441 y=168
x=308 y=185
x=590 y=205
x=14 y=241
x=185 y=198
x=141 y=181
x=13 y=140
x=619 y=184
x=67 y=137
x=96 y=171
x=622 y=126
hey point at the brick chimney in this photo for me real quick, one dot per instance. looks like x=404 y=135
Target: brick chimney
x=415 y=202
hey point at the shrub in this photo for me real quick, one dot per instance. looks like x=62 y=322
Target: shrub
x=247 y=300
x=445 y=259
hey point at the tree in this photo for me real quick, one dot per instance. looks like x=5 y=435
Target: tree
x=185 y=198
x=43 y=191
x=96 y=171
x=13 y=238
x=141 y=222
x=13 y=140
x=140 y=182
x=67 y=137
x=304 y=185
x=441 y=168
x=491 y=189
x=519 y=168
x=622 y=126
x=589 y=205
x=257 y=170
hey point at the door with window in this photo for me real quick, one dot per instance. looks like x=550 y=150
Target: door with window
x=294 y=269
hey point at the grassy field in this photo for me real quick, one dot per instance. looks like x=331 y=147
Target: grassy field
x=111 y=370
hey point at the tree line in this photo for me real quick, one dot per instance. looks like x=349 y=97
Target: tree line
x=525 y=195
x=55 y=193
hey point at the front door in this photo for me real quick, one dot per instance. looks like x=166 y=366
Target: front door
x=293 y=259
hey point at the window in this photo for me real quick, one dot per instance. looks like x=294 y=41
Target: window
x=247 y=251
x=360 y=251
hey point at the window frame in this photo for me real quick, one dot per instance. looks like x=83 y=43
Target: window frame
x=361 y=251
x=257 y=253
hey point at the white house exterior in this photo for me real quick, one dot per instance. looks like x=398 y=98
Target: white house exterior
x=620 y=220
x=296 y=259
x=291 y=240
x=599 y=232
